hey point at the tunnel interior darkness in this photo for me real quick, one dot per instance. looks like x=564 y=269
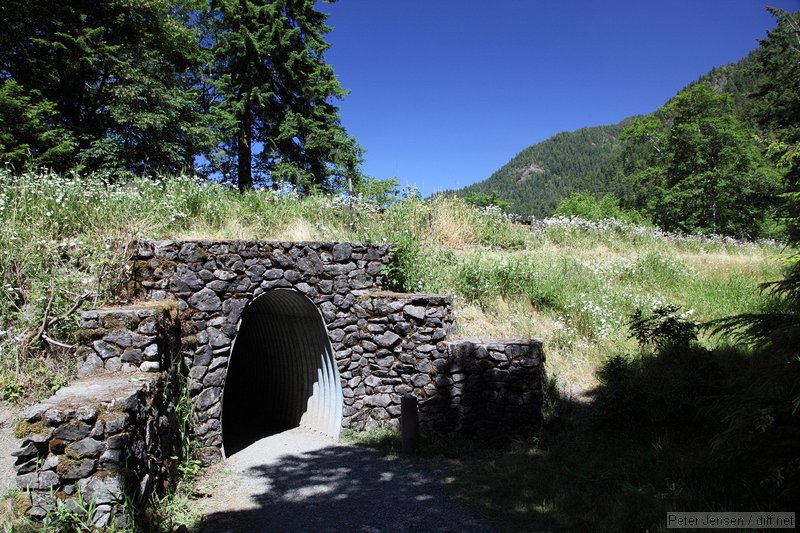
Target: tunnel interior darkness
x=281 y=374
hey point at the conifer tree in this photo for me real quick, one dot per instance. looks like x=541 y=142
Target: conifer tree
x=277 y=94
x=111 y=76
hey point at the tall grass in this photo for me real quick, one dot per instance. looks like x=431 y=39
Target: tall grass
x=65 y=241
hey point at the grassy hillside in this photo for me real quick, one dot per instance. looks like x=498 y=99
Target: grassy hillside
x=64 y=245
x=623 y=426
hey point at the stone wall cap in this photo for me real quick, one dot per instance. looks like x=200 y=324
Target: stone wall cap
x=270 y=242
x=477 y=340
x=106 y=388
x=132 y=307
x=417 y=296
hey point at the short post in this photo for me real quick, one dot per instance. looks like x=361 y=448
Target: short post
x=409 y=423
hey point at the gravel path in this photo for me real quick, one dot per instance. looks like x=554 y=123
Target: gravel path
x=8 y=444
x=302 y=481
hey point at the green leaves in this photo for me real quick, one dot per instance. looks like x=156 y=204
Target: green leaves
x=701 y=166
x=276 y=94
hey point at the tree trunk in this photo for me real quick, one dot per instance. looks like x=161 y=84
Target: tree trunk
x=244 y=153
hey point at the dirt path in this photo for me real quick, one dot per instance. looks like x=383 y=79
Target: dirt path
x=301 y=481
x=8 y=444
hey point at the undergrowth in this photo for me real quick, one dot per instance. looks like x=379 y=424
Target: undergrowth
x=675 y=427
x=65 y=242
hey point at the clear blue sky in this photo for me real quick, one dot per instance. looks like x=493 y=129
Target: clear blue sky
x=444 y=92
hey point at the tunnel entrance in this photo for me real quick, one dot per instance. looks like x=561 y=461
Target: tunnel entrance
x=281 y=374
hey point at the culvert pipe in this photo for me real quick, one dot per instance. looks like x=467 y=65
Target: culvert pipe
x=282 y=372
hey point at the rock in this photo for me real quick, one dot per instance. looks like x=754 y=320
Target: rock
x=132 y=355
x=208 y=397
x=215 y=379
x=115 y=423
x=310 y=263
x=205 y=300
x=75 y=469
x=233 y=308
x=387 y=340
x=111 y=459
x=120 y=337
x=87 y=413
x=150 y=366
x=87 y=447
x=26 y=451
x=420 y=380
x=72 y=431
x=378 y=400
x=415 y=311
x=342 y=252
x=292 y=276
x=101 y=489
x=151 y=352
x=189 y=253
x=224 y=275
x=185 y=280
x=37 y=480
x=106 y=350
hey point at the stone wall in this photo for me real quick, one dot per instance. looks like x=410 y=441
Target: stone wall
x=109 y=436
x=397 y=344
x=105 y=450
x=142 y=338
x=488 y=387
x=387 y=344
x=212 y=282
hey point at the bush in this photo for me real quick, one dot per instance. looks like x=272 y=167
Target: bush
x=663 y=326
x=587 y=206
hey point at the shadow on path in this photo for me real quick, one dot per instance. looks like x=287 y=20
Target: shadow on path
x=298 y=481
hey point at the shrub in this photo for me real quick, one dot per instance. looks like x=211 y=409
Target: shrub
x=663 y=326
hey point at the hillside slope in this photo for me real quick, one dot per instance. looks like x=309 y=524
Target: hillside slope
x=540 y=175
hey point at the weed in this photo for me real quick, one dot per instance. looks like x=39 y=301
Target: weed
x=663 y=326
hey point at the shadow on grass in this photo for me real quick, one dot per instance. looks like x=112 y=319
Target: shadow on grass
x=686 y=430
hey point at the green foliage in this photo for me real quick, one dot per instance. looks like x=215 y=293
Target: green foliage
x=278 y=91
x=101 y=85
x=484 y=200
x=27 y=133
x=587 y=206
x=379 y=193
x=702 y=170
x=663 y=326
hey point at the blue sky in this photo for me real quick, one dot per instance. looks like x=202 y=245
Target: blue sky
x=444 y=92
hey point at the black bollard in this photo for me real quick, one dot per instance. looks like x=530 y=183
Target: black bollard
x=409 y=423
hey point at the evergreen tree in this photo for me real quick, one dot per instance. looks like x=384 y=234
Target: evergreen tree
x=276 y=94
x=111 y=75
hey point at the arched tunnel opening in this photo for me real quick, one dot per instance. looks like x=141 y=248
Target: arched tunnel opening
x=281 y=373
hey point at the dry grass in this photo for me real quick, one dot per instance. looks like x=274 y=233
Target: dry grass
x=451 y=225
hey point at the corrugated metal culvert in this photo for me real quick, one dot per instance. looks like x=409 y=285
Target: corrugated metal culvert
x=282 y=372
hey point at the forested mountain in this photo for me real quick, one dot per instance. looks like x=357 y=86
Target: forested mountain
x=600 y=160
x=541 y=175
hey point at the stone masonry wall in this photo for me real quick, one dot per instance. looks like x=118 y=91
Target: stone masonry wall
x=397 y=344
x=142 y=338
x=386 y=344
x=212 y=282
x=109 y=436
x=488 y=387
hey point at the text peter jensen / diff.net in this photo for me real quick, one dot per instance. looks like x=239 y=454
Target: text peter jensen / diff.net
x=701 y=520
